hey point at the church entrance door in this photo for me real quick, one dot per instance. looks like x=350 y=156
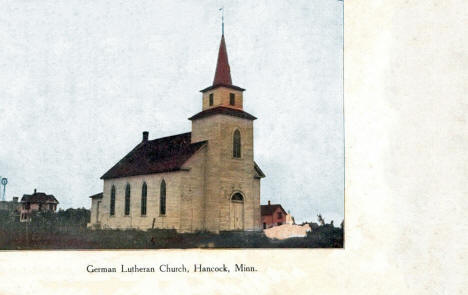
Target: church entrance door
x=237 y=212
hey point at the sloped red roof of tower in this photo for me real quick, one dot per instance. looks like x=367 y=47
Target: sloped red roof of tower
x=223 y=71
x=156 y=156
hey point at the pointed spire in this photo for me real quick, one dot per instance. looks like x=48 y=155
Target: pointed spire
x=223 y=72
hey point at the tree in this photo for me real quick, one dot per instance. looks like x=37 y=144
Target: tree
x=320 y=219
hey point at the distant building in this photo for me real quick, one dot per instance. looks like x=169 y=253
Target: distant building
x=272 y=215
x=96 y=201
x=37 y=202
x=14 y=207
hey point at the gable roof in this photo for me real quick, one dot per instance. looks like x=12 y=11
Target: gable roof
x=39 y=198
x=156 y=156
x=270 y=209
x=225 y=111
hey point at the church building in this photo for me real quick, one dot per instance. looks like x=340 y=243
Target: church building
x=203 y=180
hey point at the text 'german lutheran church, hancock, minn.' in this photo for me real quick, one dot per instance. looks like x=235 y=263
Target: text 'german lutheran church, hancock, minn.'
x=204 y=180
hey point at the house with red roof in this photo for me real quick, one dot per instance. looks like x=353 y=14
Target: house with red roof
x=202 y=180
x=36 y=202
x=273 y=215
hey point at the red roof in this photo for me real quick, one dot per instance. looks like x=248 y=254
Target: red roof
x=223 y=110
x=223 y=72
x=270 y=209
x=222 y=76
x=156 y=156
x=38 y=197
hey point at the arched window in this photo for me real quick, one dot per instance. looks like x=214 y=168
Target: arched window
x=162 y=198
x=237 y=197
x=236 y=144
x=112 y=201
x=143 y=198
x=127 y=199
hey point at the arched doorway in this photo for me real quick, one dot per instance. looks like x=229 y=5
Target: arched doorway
x=237 y=212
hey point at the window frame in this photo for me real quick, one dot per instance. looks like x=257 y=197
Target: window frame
x=162 y=198
x=234 y=197
x=144 y=198
x=112 y=201
x=236 y=144
x=211 y=99
x=127 y=200
x=232 y=99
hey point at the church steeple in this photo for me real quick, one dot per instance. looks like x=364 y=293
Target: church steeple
x=222 y=94
x=222 y=76
x=223 y=72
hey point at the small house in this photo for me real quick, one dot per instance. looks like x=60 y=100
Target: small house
x=272 y=215
x=37 y=202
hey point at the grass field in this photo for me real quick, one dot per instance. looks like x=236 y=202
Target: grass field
x=67 y=230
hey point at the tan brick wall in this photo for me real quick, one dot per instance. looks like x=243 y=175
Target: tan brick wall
x=184 y=195
x=193 y=193
x=94 y=209
x=221 y=97
x=226 y=175
x=135 y=219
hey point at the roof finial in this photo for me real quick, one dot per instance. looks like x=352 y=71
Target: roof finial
x=222 y=20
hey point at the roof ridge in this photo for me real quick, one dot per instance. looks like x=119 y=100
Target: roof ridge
x=166 y=137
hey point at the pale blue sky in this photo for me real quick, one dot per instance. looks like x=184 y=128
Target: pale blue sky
x=80 y=81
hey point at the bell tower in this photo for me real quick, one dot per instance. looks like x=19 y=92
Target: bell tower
x=231 y=198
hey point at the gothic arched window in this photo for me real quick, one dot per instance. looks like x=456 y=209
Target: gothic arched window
x=143 y=198
x=127 y=199
x=112 y=201
x=162 y=198
x=236 y=144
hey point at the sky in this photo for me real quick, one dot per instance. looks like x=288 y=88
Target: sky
x=80 y=80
